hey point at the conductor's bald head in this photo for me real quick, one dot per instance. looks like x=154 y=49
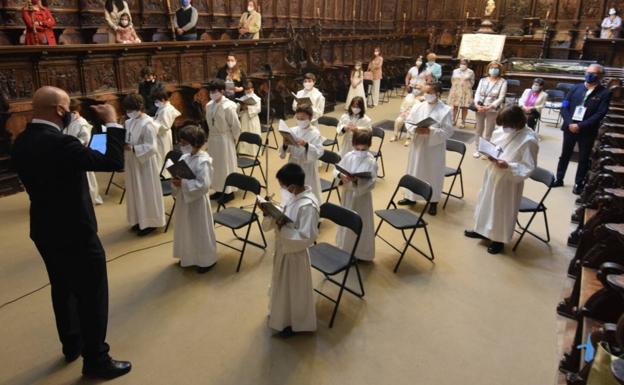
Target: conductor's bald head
x=51 y=104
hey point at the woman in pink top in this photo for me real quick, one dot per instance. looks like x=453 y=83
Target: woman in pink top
x=532 y=101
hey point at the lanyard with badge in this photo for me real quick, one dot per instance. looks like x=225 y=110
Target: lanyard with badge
x=579 y=111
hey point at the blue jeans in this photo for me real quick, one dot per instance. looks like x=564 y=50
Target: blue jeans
x=187 y=37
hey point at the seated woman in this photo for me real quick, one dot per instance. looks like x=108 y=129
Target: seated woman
x=532 y=101
x=125 y=33
x=503 y=182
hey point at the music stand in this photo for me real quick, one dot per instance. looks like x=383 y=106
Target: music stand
x=266 y=68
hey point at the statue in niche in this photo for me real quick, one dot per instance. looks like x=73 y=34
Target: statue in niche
x=489 y=8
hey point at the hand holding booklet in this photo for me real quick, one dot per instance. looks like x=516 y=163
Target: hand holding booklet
x=489 y=149
x=361 y=175
x=290 y=138
x=246 y=101
x=302 y=101
x=179 y=169
x=272 y=210
x=425 y=123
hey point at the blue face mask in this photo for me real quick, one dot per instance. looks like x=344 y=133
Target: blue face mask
x=185 y=3
x=591 y=77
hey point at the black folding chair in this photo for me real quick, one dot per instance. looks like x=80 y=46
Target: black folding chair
x=245 y=161
x=565 y=87
x=403 y=220
x=111 y=182
x=512 y=97
x=553 y=103
x=236 y=218
x=327 y=186
x=333 y=123
x=165 y=183
x=529 y=206
x=379 y=132
x=384 y=88
x=368 y=89
x=330 y=260
x=460 y=148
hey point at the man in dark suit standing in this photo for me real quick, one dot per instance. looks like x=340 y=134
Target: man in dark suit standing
x=53 y=167
x=582 y=111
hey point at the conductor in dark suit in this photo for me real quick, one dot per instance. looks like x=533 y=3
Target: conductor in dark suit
x=582 y=111
x=52 y=167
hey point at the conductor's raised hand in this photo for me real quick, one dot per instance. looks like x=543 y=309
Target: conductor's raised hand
x=105 y=112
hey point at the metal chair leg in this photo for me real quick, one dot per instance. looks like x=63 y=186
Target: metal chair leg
x=407 y=244
x=342 y=287
x=170 y=215
x=110 y=181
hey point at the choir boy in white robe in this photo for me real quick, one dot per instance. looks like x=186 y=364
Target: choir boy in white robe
x=224 y=129
x=250 y=119
x=81 y=129
x=144 y=199
x=307 y=151
x=194 y=241
x=291 y=307
x=317 y=98
x=355 y=119
x=166 y=114
x=501 y=190
x=357 y=196
x=427 y=156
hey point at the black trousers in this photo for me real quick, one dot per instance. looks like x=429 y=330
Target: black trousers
x=532 y=118
x=79 y=284
x=585 y=143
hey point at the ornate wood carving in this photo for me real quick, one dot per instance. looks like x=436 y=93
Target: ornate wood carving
x=16 y=81
x=567 y=9
x=166 y=68
x=62 y=74
x=192 y=68
x=99 y=76
x=130 y=73
x=591 y=9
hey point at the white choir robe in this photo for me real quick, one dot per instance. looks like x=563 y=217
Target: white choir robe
x=501 y=190
x=165 y=116
x=359 y=198
x=81 y=129
x=291 y=295
x=427 y=156
x=250 y=122
x=363 y=123
x=318 y=102
x=224 y=126
x=307 y=158
x=194 y=241
x=144 y=199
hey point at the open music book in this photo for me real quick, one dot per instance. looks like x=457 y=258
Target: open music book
x=246 y=100
x=425 y=123
x=489 y=149
x=290 y=138
x=361 y=175
x=306 y=100
x=179 y=169
x=272 y=210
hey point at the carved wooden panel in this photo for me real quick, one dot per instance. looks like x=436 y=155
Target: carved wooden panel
x=256 y=60
x=166 y=68
x=349 y=10
x=348 y=53
x=266 y=8
x=339 y=10
x=62 y=74
x=99 y=76
x=592 y=9
x=16 y=81
x=192 y=68
x=308 y=9
x=567 y=9
x=326 y=54
x=219 y=8
x=200 y=5
x=130 y=72
x=282 y=8
x=213 y=63
x=515 y=10
x=276 y=59
x=474 y=8
x=543 y=6
x=436 y=10
x=330 y=9
x=337 y=55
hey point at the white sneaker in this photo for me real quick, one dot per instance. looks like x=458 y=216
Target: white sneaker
x=477 y=155
x=407 y=142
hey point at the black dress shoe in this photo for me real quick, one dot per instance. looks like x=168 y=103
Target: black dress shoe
x=287 y=332
x=473 y=234
x=107 y=369
x=406 y=202
x=557 y=183
x=578 y=189
x=135 y=228
x=215 y=196
x=433 y=208
x=205 y=269
x=145 y=231
x=72 y=356
x=225 y=198
x=496 y=247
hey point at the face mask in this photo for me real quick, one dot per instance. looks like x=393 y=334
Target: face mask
x=124 y=23
x=611 y=12
x=535 y=88
x=358 y=67
x=286 y=196
x=591 y=77
x=303 y=123
x=249 y=93
x=158 y=104
x=186 y=149
x=376 y=53
x=430 y=98
x=508 y=130
x=308 y=85
x=494 y=71
x=185 y=3
x=430 y=62
x=231 y=64
x=250 y=8
x=463 y=67
x=215 y=96
x=133 y=114
x=67 y=119
x=418 y=63
x=416 y=91
x=356 y=111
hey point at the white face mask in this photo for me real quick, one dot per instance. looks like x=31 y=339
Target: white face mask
x=303 y=123
x=308 y=85
x=463 y=67
x=286 y=196
x=215 y=96
x=416 y=91
x=250 y=8
x=418 y=63
x=158 y=103
x=535 y=88
x=124 y=23
x=356 y=111
x=376 y=53
x=508 y=130
x=133 y=114
x=431 y=98
x=231 y=64
x=249 y=93
x=186 y=149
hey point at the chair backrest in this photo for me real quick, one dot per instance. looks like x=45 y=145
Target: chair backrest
x=543 y=176
x=243 y=182
x=251 y=138
x=513 y=83
x=555 y=95
x=342 y=217
x=328 y=121
x=330 y=157
x=565 y=87
x=380 y=133
x=174 y=156
x=416 y=186
x=455 y=146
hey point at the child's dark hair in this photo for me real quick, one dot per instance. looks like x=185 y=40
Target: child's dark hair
x=290 y=174
x=306 y=109
x=74 y=105
x=216 y=85
x=512 y=117
x=309 y=76
x=362 y=137
x=126 y=15
x=133 y=102
x=192 y=134
x=248 y=85
x=436 y=87
x=147 y=71
x=359 y=102
x=159 y=93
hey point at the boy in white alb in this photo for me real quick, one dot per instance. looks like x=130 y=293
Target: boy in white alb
x=316 y=97
x=166 y=114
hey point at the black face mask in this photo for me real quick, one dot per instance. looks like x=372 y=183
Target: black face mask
x=67 y=118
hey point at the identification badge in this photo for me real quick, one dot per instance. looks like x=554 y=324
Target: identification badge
x=579 y=113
